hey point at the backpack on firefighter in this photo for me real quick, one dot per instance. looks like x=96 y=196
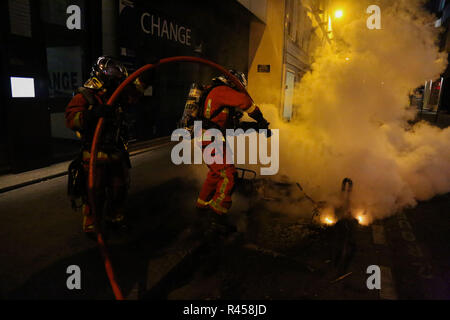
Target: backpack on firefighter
x=193 y=109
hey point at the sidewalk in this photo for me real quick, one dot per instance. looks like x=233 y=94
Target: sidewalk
x=10 y=182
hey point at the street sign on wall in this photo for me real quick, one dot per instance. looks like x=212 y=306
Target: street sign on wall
x=264 y=68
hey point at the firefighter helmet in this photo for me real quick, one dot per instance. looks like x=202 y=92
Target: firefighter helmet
x=106 y=73
x=238 y=74
x=241 y=77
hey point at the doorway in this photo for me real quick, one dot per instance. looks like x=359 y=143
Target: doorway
x=288 y=95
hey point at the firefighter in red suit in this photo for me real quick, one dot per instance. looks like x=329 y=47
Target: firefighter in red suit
x=220 y=102
x=82 y=114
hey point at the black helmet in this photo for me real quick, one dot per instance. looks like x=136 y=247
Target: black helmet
x=241 y=77
x=106 y=73
x=238 y=74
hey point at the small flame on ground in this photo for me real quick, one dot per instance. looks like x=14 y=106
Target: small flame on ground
x=363 y=218
x=327 y=216
x=328 y=221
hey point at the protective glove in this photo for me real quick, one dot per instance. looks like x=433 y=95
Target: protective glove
x=100 y=111
x=103 y=111
x=246 y=125
x=263 y=124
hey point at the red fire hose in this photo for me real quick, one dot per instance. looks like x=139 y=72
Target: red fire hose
x=98 y=131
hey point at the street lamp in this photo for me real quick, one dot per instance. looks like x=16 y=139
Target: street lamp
x=338 y=14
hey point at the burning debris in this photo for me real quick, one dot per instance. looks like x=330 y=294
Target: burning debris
x=327 y=215
x=352 y=118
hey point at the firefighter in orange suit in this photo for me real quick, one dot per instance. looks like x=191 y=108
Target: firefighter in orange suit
x=113 y=163
x=220 y=103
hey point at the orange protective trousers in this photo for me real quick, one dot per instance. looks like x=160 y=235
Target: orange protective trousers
x=111 y=175
x=219 y=184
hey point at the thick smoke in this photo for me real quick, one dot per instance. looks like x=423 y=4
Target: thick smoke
x=352 y=111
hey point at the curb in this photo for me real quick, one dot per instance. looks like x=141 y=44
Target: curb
x=25 y=184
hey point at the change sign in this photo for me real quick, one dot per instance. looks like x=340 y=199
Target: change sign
x=166 y=29
x=141 y=24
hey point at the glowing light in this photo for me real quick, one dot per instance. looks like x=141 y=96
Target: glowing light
x=347 y=59
x=363 y=217
x=329 y=221
x=22 y=87
x=339 y=14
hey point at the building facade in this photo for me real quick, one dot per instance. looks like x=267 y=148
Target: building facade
x=442 y=10
x=48 y=47
x=44 y=56
x=281 y=50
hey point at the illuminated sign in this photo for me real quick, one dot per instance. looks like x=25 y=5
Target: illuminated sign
x=22 y=87
x=163 y=28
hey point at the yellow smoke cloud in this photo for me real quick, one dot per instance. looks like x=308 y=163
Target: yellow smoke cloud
x=351 y=115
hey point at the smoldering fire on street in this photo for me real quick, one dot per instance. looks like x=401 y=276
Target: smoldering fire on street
x=353 y=116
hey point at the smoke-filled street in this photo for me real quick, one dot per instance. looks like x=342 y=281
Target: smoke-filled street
x=273 y=257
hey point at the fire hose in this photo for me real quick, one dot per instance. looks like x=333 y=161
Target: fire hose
x=98 y=131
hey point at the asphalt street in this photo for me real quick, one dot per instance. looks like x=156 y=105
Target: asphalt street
x=274 y=256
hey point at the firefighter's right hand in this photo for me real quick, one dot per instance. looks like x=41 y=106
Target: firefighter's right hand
x=263 y=124
x=268 y=133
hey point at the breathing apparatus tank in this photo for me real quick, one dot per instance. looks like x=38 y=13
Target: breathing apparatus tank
x=192 y=108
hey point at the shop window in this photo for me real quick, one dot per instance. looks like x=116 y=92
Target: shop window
x=65 y=47
x=67 y=50
x=20 y=17
x=55 y=11
x=65 y=70
x=291 y=17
